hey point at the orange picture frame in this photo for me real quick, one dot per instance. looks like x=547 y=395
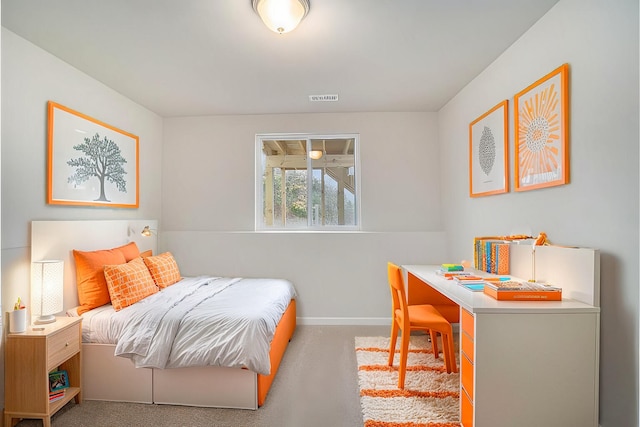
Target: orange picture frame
x=90 y=163
x=541 y=114
x=488 y=152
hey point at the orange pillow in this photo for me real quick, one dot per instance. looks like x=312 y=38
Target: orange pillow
x=90 y=281
x=146 y=253
x=128 y=283
x=92 y=286
x=130 y=251
x=163 y=269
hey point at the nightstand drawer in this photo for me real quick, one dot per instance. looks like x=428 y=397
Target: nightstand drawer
x=63 y=345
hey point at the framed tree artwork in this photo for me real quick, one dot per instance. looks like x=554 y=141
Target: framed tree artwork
x=488 y=153
x=90 y=163
x=541 y=132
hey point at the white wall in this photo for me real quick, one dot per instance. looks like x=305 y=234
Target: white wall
x=340 y=278
x=30 y=78
x=209 y=179
x=209 y=168
x=413 y=185
x=599 y=208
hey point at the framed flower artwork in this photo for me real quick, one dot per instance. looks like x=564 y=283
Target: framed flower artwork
x=541 y=132
x=488 y=153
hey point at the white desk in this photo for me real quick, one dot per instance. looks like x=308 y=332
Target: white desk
x=524 y=364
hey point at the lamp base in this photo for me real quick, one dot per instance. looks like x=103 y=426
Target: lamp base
x=45 y=319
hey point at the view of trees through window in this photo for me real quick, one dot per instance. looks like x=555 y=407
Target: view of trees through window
x=296 y=199
x=308 y=183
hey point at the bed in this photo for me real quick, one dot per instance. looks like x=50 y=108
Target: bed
x=146 y=372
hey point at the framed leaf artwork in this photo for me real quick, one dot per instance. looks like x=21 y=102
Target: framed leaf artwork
x=90 y=163
x=488 y=153
x=541 y=132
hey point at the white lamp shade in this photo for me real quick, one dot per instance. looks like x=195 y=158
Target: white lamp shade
x=281 y=16
x=46 y=289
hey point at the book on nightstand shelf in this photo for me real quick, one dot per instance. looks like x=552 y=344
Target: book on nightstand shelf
x=522 y=291
x=58 y=381
x=56 y=395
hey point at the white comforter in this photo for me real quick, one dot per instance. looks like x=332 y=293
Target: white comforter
x=203 y=321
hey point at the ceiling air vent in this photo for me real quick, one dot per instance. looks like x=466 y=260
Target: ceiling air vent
x=323 y=98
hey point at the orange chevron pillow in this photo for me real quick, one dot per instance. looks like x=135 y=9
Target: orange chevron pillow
x=129 y=283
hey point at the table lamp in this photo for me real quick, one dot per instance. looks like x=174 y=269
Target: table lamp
x=46 y=289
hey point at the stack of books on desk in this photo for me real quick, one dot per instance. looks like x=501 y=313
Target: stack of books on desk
x=452 y=267
x=452 y=274
x=471 y=282
x=469 y=279
x=522 y=291
x=452 y=270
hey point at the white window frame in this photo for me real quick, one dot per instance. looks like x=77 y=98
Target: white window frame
x=259 y=196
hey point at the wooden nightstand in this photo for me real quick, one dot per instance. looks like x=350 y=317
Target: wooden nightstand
x=29 y=357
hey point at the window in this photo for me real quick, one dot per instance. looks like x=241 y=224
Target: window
x=307 y=182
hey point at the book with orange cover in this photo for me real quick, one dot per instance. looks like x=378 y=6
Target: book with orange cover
x=452 y=274
x=522 y=291
x=502 y=258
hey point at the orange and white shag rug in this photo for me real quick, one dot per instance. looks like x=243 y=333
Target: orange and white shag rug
x=431 y=397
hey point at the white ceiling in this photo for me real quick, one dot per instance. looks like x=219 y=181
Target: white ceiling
x=205 y=57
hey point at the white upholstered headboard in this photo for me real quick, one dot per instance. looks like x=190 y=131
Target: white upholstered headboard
x=57 y=239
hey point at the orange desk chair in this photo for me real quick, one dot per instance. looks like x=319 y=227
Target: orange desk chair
x=416 y=317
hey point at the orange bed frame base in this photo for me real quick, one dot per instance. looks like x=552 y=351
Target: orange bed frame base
x=281 y=338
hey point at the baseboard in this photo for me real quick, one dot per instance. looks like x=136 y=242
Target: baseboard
x=353 y=321
x=369 y=321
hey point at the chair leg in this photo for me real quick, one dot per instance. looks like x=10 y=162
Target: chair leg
x=451 y=357
x=445 y=352
x=434 y=343
x=392 y=341
x=404 y=350
x=448 y=352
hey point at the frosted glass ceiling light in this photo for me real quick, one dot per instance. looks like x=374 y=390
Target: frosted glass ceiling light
x=281 y=16
x=315 y=154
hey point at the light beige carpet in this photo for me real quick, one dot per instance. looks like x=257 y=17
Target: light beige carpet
x=431 y=397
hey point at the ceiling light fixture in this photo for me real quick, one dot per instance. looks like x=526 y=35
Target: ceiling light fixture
x=315 y=154
x=281 y=16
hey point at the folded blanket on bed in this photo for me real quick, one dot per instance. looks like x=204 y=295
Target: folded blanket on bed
x=205 y=321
